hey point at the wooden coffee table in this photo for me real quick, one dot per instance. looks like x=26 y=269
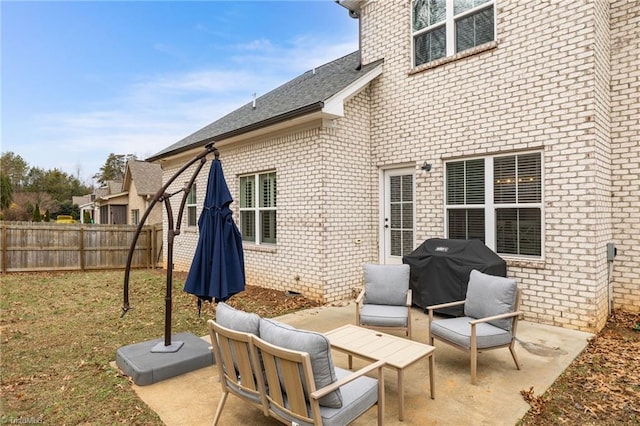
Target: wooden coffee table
x=372 y=345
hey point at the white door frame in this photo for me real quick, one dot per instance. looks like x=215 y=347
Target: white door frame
x=384 y=207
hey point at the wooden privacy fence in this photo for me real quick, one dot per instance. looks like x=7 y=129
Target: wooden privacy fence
x=49 y=246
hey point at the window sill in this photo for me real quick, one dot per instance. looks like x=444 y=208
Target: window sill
x=524 y=263
x=443 y=61
x=259 y=248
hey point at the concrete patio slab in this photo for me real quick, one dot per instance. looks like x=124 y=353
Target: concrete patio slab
x=543 y=351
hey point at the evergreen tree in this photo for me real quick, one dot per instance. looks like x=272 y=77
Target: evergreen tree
x=15 y=168
x=58 y=184
x=114 y=168
x=6 y=192
x=36 y=217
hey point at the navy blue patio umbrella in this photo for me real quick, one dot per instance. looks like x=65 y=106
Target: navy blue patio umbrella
x=217 y=269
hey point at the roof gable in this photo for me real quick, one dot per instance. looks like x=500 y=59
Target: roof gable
x=147 y=176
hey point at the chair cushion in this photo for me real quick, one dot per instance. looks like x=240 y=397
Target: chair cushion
x=357 y=396
x=237 y=320
x=458 y=331
x=489 y=295
x=315 y=344
x=383 y=315
x=386 y=284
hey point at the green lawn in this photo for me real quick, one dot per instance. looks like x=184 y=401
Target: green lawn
x=60 y=331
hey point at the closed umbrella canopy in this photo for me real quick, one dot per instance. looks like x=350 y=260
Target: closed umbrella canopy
x=217 y=270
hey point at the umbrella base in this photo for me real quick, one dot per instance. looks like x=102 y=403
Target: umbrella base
x=145 y=365
x=162 y=348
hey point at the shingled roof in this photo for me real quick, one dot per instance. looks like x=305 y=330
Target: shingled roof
x=147 y=176
x=304 y=94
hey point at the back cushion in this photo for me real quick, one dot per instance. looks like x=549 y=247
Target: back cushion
x=488 y=295
x=237 y=320
x=315 y=344
x=386 y=284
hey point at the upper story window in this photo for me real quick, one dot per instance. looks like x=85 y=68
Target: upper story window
x=445 y=27
x=258 y=208
x=497 y=200
x=192 y=207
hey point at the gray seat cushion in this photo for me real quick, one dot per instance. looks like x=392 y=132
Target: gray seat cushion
x=242 y=393
x=383 y=315
x=386 y=284
x=357 y=397
x=237 y=320
x=489 y=295
x=315 y=344
x=458 y=331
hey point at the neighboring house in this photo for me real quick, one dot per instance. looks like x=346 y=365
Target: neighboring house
x=125 y=203
x=142 y=180
x=522 y=114
x=112 y=204
x=86 y=203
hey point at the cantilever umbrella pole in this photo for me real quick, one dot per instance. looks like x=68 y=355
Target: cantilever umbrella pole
x=160 y=196
x=168 y=298
x=171 y=234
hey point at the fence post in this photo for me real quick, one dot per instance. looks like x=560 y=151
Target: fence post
x=149 y=248
x=82 y=251
x=4 y=248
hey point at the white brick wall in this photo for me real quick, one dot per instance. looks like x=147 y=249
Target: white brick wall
x=542 y=85
x=324 y=204
x=625 y=159
x=351 y=200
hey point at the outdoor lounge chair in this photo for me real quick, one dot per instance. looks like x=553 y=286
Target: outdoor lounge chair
x=490 y=321
x=385 y=301
x=304 y=387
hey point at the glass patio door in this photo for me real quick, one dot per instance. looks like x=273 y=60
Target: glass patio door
x=398 y=225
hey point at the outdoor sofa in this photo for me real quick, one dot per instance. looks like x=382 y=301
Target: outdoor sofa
x=288 y=373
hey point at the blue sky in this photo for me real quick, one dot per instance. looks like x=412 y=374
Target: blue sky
x=82 y=79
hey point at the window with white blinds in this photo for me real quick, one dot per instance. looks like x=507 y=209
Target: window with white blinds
x=445 y=27
x=497 y=200
x=258 y=208
x=192 y=207
x=465 y=198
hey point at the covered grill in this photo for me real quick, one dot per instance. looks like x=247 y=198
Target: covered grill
x=440 y=270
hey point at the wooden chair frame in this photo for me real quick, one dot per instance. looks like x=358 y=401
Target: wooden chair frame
x=473 y=349
x=234 y=360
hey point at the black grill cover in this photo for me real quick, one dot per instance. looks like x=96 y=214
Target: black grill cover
x=440 y=270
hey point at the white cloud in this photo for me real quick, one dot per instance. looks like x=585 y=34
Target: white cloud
x=161 y=109
x=204 y=82
x=262 y=44
x=303 y=53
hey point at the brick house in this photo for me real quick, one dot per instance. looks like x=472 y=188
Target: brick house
x=513 y=122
